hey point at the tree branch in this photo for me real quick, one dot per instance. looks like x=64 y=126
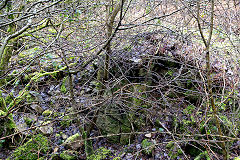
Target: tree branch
x=11 y=37
x=3 y=4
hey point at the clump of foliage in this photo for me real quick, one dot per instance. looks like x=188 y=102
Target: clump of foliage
x=66 y=121
x=32 y=149
x=72 y=138
x=7 y=124
x=28 y=121
x=147 y=146
x=63 y=86
x=47 y=113
x=9 y=98
x=68 y=155
x=203 y=155
x=174 y=152
x=101 y=153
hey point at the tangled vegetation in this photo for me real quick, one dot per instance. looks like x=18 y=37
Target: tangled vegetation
x=119 y=79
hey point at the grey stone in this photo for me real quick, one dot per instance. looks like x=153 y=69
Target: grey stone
x=138 y=146
x=74 y=142
x=46 y=128
x=37 y=108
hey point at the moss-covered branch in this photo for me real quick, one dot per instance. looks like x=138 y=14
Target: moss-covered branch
x=6 y=49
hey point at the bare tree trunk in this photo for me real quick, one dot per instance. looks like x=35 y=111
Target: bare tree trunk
x=109 y=28
x=209 y=82
x=109 y=32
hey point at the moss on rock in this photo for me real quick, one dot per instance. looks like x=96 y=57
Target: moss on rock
x=114 y=125
x=73 y=138
x=125 y=128
x=66 y=121
x=47 y=113
x=74 y=142
x=32 y=149
x=148 y=147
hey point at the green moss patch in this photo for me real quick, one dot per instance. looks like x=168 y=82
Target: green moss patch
x=32 y=149
x=101 y=153
x=68 y=155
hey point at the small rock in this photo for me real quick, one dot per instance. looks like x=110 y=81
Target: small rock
x=88 y=90
x=157 y=156
x=82 y=92
x=47 y=113
x=138 y=146
x=21 y=126
x=154 y=129
x=64 y=136
x=55 y=150
x=57 y=92
x=32 y=116
x=43 y=79
x=50 y=91
x=161 y=129
x=37 y=108
x=29 y=118
x=37 y=95
x=129 y=156
x=165 y=154
x=74 y=142
x=238 y=142
x=79 y=75
x=54 y=90
x=149 y=135
x=46 y=128
x=140 y=138
x=44 y=95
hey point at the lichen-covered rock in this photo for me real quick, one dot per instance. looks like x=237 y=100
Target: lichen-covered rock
x=47 y=113
x=114 y=124
x=74 y=142
x=29 y=118
x=22 y=126
x=34 y=96
x=32 y=149
x=37 y=108
x=64 y=136
x=46 y=128
x=125 y=128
